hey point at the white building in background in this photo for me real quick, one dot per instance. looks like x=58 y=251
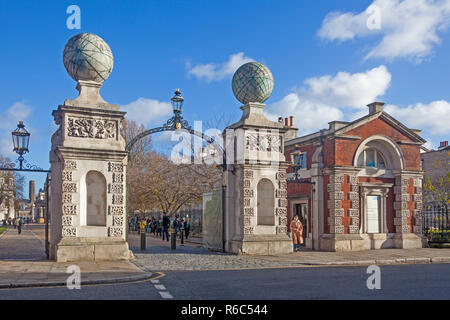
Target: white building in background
x=7 y=196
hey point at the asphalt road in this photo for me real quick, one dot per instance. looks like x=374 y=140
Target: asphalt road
x=428 y=281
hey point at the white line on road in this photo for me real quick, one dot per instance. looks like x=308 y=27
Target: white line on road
x=154 y=281
x=165 y=294
x=160 y=287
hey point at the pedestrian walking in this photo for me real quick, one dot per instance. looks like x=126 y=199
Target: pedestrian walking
x=165 y=226
x=187 y=227
x=19 y=225
x=296 y=231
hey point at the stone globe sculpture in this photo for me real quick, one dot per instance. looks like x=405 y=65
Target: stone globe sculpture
x=87 y=57
x=252 y=82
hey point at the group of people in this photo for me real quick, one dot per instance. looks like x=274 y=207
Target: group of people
x=160 y=228
x=17 y=223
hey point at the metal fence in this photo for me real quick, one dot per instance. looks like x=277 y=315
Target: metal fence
x=436 y=223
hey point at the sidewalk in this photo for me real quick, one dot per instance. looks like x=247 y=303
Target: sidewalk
x=192 y=256
x=23 y=264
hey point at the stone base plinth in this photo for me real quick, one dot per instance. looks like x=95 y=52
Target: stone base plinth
x=370 y=241
x=408 y=241
x=261 y=245
x=92 y=249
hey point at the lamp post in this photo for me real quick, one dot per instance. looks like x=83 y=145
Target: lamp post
x=21 y=139
x=177 y=104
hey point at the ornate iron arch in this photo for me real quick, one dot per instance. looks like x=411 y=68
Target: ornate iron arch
x=178 y=123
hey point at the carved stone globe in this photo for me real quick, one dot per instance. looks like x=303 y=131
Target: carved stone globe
x=88 y=57
x=252 y=82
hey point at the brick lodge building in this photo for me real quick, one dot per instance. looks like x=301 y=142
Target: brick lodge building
x=367 y=184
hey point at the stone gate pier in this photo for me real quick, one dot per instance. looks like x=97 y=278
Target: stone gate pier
x=88 y=162
x=255 y=201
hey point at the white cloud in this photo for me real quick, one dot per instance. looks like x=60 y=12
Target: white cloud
x=408 y=28
x=434 y=117
x=147 y=111
x=320 y=99
x=215 y=72
x=19 y=111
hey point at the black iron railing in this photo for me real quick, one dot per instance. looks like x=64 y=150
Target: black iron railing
x=436 y=223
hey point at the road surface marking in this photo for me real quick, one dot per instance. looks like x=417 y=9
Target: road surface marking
x=154 y=281
x=160 y=287
x=165 y=295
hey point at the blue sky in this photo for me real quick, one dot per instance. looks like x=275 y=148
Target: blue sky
x=326 y=62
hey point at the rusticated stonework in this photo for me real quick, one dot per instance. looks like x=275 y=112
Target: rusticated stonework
x=69 y=209
x=69 y=187
x=66 y=220
x=115 y=231
x=118 y=221
x=67 y=176
x=117 y=177
x=91 y=128
x=248 y=230
x=116 y=188
x=117 y=199
x=248 y=174
x=69 y=232
x=116 y=210
x=115 y=167
x=67 y=198
x=70 y=165
x=281 y=229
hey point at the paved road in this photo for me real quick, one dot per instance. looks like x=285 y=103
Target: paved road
x=397 y=282
x=29 y=245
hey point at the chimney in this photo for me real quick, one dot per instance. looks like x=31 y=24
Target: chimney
x=375 y=107
x=291 y=121
x=280 y=120
x=443 y=144
x=31 y=189
x=286 y=121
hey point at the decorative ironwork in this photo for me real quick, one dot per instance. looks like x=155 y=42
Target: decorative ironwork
x=177 y=123
x=436 y=223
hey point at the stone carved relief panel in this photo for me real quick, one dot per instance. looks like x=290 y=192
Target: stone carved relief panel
x=69 y=232
x=115 y=231
x=116 y=188
x=69 y=187
x=263 y=142
x=115 y=167
x=66 y=198
x=116 y=210
x=117 y=199
x=69 y=209
x=70 y=165
x=67 y=176
x=91 y=128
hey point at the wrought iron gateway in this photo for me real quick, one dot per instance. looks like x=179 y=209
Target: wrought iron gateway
x=178 y=123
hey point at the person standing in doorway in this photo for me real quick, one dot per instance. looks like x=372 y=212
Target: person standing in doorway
x=296 y=231
x=165 y=226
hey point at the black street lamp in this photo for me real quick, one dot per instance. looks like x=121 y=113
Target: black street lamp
x=298 y=164
x=21 y=139
x=177 y=101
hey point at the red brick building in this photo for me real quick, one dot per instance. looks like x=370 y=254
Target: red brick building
x=367 y=184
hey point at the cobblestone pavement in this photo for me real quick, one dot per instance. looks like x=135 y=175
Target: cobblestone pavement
x=192 y=256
